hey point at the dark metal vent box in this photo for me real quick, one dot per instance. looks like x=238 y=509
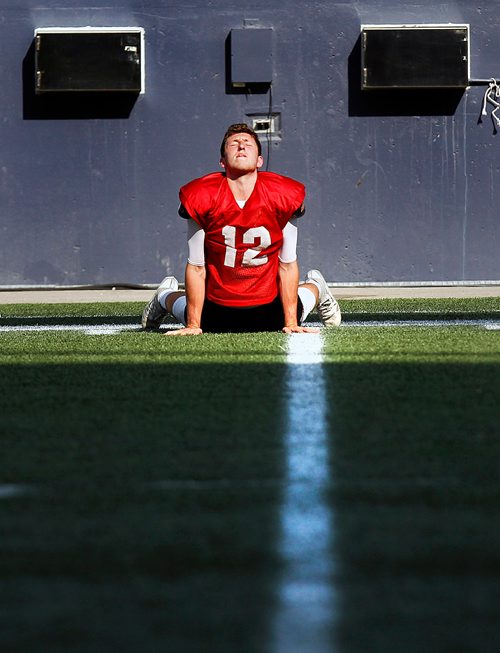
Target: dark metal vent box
x=89 y=59
x=414 y=56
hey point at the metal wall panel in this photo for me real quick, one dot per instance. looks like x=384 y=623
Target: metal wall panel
x=400 y=187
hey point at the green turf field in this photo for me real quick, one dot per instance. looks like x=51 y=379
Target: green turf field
x=144 y=484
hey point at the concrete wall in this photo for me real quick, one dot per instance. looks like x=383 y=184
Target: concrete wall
x=400 y=188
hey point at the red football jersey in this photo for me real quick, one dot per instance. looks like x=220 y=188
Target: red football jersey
x=242 y=245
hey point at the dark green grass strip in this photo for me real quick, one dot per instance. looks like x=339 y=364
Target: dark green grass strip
x=421 y=309
x=431 y=305
x=46 y=314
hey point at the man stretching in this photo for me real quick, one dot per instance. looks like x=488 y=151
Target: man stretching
x=242 y=273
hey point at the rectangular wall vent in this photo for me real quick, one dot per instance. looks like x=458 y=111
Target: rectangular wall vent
x=89 y=59
x=414 y=56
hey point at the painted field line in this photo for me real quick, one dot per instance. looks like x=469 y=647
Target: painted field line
x=88 y=329
x=306 y=600
x=474 y=322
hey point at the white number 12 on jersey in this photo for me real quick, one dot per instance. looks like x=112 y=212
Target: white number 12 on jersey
x=251 y=256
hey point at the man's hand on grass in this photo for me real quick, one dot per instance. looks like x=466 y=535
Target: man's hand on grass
x=300 y=329
x=186 y=331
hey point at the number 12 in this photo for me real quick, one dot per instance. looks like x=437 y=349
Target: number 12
x=251 y=256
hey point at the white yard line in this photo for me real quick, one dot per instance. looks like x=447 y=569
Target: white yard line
x=88 y=329
x=306 y=598
x=475 y=322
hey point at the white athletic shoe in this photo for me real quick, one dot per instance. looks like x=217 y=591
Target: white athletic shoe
x=154 y=313
x=328 y=308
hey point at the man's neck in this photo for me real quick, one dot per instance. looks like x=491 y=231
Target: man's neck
x=242 y=185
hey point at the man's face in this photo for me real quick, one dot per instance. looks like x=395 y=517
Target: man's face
x=241 y=154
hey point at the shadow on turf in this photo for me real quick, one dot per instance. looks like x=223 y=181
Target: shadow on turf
x=414 y=458
x=112 y=553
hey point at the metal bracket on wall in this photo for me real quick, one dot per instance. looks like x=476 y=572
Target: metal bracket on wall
x=267 y=125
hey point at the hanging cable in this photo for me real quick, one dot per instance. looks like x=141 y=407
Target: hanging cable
x=270 y=118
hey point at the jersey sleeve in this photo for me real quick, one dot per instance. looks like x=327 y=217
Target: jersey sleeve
x=285 y=195
x=198 y=196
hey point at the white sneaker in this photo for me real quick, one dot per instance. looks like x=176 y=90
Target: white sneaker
x=328 y=308
x=154 y=313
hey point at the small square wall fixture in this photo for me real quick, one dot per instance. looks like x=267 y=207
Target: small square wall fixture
x=414 y=56
x=108 y=59
x=251 y=56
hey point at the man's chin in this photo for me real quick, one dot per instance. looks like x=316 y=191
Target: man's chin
x=243 y=166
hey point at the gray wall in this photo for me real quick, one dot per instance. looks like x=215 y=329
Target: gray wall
x=402 y=188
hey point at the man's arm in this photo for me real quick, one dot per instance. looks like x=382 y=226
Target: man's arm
x=288 y=277
x=194 y=279
x=288 y=274
x=195 y=297
x=195 y=294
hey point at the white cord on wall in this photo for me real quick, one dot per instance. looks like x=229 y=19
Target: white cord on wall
x=491 y=96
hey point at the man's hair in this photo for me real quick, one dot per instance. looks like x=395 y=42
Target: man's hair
x=239 y=128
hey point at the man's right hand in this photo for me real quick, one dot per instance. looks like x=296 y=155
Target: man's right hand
x=186 y=331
